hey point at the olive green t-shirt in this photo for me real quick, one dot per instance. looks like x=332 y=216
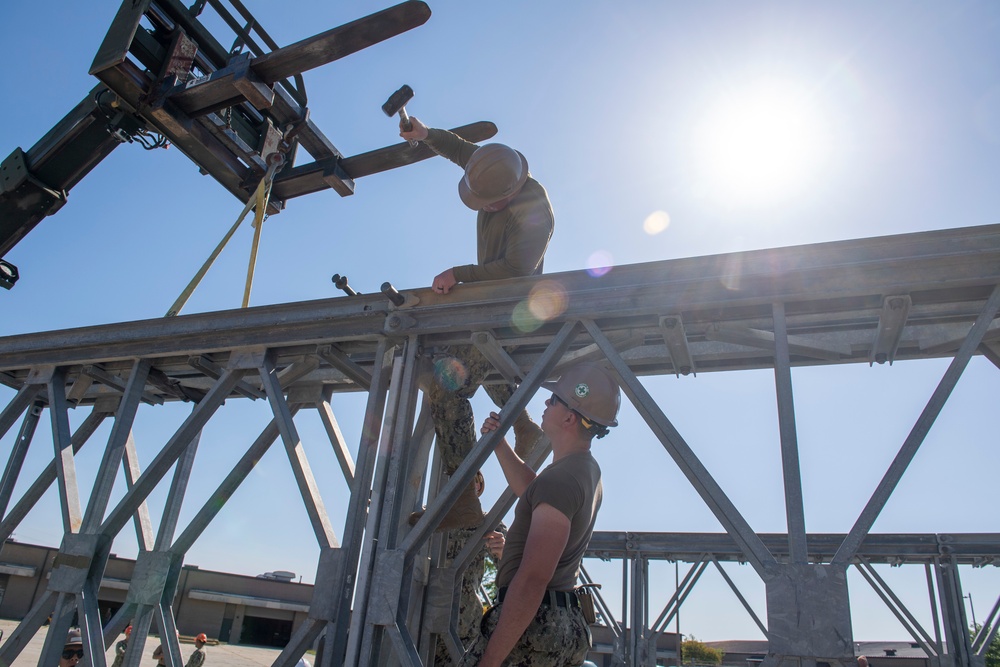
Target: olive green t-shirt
x=572 y=485
x=510 y=243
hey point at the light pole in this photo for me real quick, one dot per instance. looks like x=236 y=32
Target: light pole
x=973 y=609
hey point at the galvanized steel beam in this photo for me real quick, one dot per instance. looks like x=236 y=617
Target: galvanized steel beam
x=805 y=306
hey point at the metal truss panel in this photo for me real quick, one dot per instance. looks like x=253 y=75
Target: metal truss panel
x=802 y=306
x=976 y=549
x=832 y=294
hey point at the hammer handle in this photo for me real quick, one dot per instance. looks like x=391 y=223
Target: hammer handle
x=404 y=122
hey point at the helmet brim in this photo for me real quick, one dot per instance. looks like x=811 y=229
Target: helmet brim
x=477 y=203
x=554 y=388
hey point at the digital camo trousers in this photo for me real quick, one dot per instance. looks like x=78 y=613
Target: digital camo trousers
x=457 y=376
x=556 y=637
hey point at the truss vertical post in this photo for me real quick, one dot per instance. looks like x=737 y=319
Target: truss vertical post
x=364 y=636
x=69 y=493
x=625 y=643
x=794 y=510
x=956 y=626
x=935 y=620
x=344 y=564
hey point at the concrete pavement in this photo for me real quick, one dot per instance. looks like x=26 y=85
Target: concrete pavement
x=223 y=655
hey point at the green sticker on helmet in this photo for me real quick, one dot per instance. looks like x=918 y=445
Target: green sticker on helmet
x=581 y=390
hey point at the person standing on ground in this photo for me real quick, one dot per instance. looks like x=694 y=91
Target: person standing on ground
x=537 y=619
x=159 y=654
x=120 y=649
x=72 y=652
x=514 y=224
x=197 y=658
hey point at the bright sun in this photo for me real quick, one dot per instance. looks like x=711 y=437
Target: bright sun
x=760 y=144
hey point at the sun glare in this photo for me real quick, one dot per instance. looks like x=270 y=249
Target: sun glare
x=760 y=145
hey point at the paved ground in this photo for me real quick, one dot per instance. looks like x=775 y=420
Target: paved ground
x=222 y=655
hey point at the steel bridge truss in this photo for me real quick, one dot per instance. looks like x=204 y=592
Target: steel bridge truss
x=378 y=588
x=948 y=641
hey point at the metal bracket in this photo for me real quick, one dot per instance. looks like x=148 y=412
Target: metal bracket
x=397 y=322
x=72 y=564
x=890 y=329
x=15 y=176
x=149 y=578
x=676 y=340
x=387 y=582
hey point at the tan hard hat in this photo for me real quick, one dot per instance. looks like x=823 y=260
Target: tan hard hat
x=494 y=172
x=589 y=388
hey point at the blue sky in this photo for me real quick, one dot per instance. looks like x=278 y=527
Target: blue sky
x=886 y=117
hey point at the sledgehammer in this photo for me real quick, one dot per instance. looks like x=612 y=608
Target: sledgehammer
x=397 y=104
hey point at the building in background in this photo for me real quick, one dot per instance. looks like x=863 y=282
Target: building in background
x=233 y=608
x=750 y=653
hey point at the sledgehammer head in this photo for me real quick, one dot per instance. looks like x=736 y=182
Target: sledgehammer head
x=397 y=104
x=397 y=101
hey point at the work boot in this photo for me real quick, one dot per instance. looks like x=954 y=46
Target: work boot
x=467 y=512
x=526 y=435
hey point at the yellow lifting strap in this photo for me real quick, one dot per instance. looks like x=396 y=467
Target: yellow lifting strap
x=258 y=202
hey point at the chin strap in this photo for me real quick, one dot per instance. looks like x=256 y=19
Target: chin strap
x=598 y=430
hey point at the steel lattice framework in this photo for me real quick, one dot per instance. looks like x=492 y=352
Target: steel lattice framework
x=918 y=296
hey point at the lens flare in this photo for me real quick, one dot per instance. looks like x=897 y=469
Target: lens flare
x=599 y=263
x=450 y=373
x=522 y=318
x=733 y=272
x=656 y=222
x=547 y=300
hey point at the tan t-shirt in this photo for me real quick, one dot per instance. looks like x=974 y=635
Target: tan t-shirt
x=572 y=485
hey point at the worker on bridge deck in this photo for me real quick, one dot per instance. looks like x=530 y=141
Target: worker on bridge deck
x=514 y=225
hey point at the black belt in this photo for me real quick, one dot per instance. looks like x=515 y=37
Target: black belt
x=551 y=598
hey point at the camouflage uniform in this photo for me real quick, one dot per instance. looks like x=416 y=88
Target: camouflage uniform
x=556 y=637
x=457 y=376
x=197 y=658
x=120 y=649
